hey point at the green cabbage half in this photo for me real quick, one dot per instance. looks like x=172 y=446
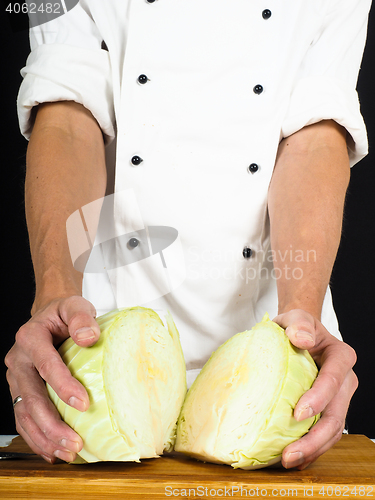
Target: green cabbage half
x=135 y=377
x=239 y=410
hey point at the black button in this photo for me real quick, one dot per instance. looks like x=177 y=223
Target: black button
x=253 y=168
x=133 y=242
x=142 y=79
x=150 y=1
x=247 y=252
x=258 y=89
x=266 y=14
x=136 y=160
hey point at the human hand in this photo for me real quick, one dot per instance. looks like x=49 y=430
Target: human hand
x=34 y=359
x=331 y=392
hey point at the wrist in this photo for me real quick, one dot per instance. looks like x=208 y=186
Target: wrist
x=55 y=285
x=41 y=300
x=313 y=307
x=307 y=294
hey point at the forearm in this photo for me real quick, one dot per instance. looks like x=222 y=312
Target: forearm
x=306 y=200
x=65 y=170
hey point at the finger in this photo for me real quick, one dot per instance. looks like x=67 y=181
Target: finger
x=40 y=424
x=79 y=315
x=37 y=441
x=50 y=458
x=48 y=363
x=43 y=412
x=19 y=427
x=31 y=433
x=325 y=433
x=329 y=381
x=300 y=327
x=301 y=461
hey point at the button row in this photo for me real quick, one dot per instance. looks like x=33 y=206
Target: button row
x=246 y=252
x=266 y=14
x=143 y=79
x=257 y=89
x=137 y=160
x=252 y=168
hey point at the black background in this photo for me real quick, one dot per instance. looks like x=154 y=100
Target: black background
x=353 y=278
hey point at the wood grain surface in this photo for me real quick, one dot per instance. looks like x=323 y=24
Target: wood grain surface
x=347 y=470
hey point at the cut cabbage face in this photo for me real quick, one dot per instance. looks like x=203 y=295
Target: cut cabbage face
x=135 y=377
x=239 y=410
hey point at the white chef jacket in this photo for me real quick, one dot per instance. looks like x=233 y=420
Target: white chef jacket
x=223 y=82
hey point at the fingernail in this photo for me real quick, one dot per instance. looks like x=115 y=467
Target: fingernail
x=70 y=445
x=294 y=458
x=78 y=404
x=64 y=455
x=303 y=335
x=305 y=412
x=85 y=333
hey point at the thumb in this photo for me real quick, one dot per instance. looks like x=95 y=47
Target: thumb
x=79 y=315
x=299 y=326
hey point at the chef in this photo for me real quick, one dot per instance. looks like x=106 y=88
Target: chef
x=233 y=126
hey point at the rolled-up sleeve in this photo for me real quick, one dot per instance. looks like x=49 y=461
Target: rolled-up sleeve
x=67 y=63
x=325 y=86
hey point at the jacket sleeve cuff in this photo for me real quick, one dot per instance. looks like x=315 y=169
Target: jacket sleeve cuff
x=320 y=98
x=59 y=72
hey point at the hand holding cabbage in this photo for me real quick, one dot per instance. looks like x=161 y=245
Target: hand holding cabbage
x=331 y=392
x=33 y=360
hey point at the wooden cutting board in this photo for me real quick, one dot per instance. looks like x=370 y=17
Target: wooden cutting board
x=347 y=470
